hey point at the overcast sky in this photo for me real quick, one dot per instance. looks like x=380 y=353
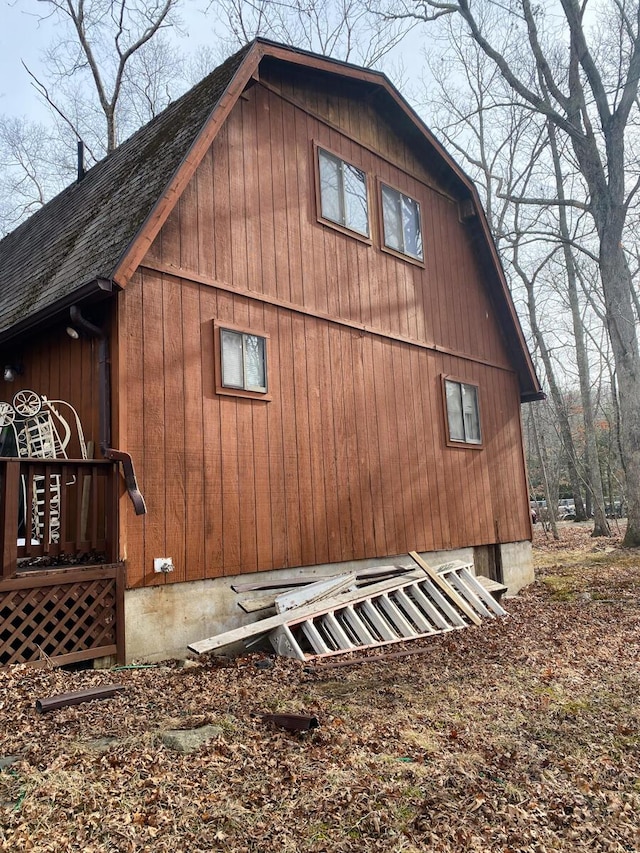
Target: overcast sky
x=21 y=38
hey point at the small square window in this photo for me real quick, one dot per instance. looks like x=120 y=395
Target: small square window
x=463 y=413
x=343 y=193
x=402 y=230
x=243 y=361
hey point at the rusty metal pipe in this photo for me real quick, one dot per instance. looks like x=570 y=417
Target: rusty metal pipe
x=62 y=700
x=293 y=722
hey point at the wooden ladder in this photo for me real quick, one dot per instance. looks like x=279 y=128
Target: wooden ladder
x=444 y=600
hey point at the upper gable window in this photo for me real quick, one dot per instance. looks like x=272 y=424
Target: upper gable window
x=463 y=412
x=343 y=193
x=401 y=225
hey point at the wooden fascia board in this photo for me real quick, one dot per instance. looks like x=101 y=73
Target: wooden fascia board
x=376 y=78
x=141 y=243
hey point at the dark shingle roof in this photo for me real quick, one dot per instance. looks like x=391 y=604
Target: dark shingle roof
x=81 y=234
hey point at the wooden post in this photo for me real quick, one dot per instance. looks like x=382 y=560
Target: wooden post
x=9 y=505
x=119 y=609
x=86 y=493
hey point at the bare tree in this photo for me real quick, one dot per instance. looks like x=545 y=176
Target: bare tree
x=94 y=57
x=559 y=67
x=33 y=167
x=109 y=70
x=344 y=29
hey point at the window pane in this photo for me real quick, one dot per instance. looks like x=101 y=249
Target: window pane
x=330 y=187
x=454 y=411
x=470 y=410
x=411 y=227
x=391 y=218
x=254 y=363
x=232 y=369
x=355 y=199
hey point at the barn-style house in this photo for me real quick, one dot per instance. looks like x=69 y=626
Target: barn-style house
x=270 y=333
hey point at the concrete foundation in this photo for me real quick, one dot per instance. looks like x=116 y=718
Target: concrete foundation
x=161 y=621
x=517 y=566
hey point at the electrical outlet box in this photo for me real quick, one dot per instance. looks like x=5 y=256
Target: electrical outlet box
x=163 y=564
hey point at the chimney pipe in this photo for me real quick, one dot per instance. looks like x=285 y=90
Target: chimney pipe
x=80 y=160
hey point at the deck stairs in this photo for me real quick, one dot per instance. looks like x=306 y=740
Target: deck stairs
x=437 y=601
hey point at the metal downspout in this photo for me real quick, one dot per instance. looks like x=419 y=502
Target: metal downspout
x=104 y=381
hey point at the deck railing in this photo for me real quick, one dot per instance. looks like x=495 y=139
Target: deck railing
x=57 y=512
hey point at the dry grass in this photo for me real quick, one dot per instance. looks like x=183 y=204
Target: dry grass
x=520 y=735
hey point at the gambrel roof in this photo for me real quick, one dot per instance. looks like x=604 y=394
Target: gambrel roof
x=91 y=237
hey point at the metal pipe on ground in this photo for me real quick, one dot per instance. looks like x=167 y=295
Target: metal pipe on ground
x=292 y=722
x=63 y=700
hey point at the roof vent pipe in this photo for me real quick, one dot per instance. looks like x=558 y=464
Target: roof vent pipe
x=80 y=160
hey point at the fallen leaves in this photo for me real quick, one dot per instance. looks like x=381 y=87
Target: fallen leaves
x=521 y=735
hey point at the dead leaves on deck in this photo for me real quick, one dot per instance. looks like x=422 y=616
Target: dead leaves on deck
x=520 y=735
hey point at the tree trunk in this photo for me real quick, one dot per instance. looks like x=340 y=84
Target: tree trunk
x=556 y=395
x=616 y=282
x=593 y=473
x=552 y=501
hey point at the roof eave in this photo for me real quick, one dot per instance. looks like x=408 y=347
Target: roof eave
x=51 y=313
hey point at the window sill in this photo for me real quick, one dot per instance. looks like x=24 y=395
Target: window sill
x=247 y=395
x=464 y=445
x=342 y=229
x=402 y=257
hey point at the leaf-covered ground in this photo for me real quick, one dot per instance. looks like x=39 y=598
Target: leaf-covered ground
x=520 y=735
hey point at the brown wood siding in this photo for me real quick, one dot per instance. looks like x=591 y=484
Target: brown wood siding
x=60 y=368
x=263 y=236
x=347 y=460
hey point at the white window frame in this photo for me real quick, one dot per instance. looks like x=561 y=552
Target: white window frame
x=399 y=196
x=467 y=440
x=341 y=223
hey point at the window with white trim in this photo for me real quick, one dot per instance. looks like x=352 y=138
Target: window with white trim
x=463 y=413
x=343 y=193
x=243 y=359
x=401 y=225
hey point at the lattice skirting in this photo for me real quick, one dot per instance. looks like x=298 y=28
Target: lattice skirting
x=66 y=616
